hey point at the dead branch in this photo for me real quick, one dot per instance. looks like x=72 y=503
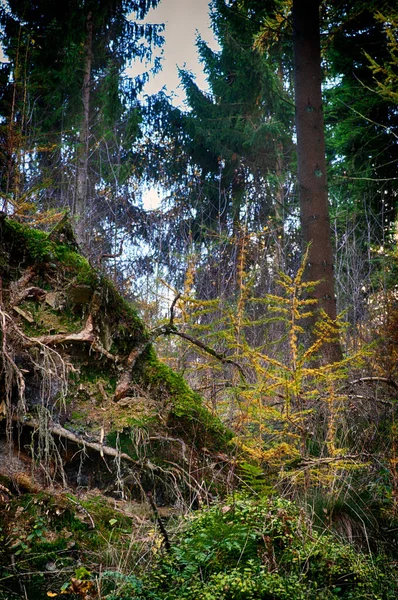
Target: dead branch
x=310 y=463
x=221 y=357
x=124 y=382
x=171 y=322
x=167 y=329
x=386 y=380
x=31 y=293
x=65 y=434
x=115 y=255
x=18 y=287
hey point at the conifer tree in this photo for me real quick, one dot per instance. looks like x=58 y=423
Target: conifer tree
x=227 y=155
x=83 y=110
x=311 y=160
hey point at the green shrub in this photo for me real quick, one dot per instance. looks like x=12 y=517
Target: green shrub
x=263 y=549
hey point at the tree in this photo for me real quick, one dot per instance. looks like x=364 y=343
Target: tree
x=362 y=151
x=312 y=175
x=225 y=159
x=68 y=63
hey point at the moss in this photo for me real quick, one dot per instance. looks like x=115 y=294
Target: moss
x=82 y=269
x=98 y=373
x=46 y=535
x=131 y=327
x=187 y=415
x=35 y=243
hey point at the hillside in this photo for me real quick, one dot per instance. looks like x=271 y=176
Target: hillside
x=86 y=404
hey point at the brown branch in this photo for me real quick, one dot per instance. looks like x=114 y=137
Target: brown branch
x=115 y=255
x=221 y=357
x=171 y=322
x=124 y=382
x=168 y=329
x=65 y=434
x=18 y=287
x=386 y=380
x=34 y=292
x=308 y=463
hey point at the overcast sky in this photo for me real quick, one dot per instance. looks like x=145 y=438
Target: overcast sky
x=182 y=18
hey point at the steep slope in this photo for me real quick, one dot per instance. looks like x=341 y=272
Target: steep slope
x=85 y=399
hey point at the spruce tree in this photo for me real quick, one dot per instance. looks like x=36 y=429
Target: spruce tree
x=68 y=65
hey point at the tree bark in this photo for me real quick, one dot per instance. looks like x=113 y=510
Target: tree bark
x=312 y=178
x=80 y=205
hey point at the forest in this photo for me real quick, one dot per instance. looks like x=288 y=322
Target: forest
x=198 y=400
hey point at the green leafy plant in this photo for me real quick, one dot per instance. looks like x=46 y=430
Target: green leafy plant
x=245 y=549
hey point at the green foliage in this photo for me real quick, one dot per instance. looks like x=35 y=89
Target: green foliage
x=257 y=549
x=45 y=46
x=386 y=74
x=253 y=477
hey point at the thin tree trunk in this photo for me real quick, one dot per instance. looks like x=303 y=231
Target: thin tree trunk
x=279 y=192
x=80 y=205
x=312 y=179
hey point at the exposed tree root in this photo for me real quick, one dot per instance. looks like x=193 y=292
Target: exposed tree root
x=86 y=335
x=18 y=288
x=124 y=383
x=65 y=434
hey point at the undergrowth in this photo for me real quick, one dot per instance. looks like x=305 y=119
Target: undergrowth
x=252 y=549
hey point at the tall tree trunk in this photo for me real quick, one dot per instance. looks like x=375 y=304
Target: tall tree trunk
x=80 y=205
x=312 y=179
x=279 y=192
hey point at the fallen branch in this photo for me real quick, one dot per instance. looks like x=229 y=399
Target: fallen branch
x=167 y=329
x=32 y=293
x=309 y=463
x=17 y=288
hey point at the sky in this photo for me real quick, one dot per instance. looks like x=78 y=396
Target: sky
x=183 y=19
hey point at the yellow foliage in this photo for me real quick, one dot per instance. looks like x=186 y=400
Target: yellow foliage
x=289 y=406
